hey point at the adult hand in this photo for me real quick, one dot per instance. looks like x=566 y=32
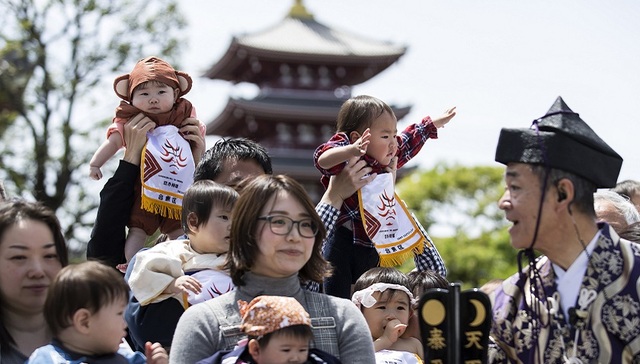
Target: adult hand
x=190 y=130
x=135 y=137
x=347 y=182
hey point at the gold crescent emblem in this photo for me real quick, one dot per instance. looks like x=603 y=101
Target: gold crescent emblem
x=481 y=313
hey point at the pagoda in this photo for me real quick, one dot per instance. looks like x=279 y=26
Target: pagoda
x=304 y=70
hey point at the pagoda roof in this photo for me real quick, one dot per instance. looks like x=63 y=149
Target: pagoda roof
x=283 y=109
x=301 y=39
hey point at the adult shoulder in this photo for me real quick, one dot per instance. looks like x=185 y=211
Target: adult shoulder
x=196 y=335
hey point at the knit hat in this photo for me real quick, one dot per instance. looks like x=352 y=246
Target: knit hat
x=564 y=141
x=266 y=314
x=151 y=69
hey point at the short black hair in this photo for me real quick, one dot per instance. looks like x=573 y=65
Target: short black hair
x=210 y=166
x=583 y=188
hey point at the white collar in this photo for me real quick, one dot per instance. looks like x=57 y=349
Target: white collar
x=566 y=280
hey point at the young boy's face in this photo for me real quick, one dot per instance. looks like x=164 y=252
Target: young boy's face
x=282 y=349
x=383 y=144
x=154 y=97
x=108 y=328
x=213 y=235
x=389 y=306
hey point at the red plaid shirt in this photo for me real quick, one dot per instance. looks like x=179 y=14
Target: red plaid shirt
x=410 y=141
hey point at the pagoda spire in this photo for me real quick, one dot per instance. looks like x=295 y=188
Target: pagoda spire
x=299 y=11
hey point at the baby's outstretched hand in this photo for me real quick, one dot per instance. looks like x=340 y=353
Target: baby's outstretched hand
x=186 y=284
x=361 y=144
x=443 y=119
x=95 y=173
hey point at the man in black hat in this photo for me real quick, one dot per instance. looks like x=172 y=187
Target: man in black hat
x=579 y=301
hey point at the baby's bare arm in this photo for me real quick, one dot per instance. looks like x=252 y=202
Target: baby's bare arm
x=337 y=155
x=106 y=150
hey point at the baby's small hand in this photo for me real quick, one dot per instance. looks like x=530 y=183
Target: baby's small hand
x=186 y=284
x=95 y=173
x=443 y=119
x=361 y=144
x=394 y=329
x=155 y=353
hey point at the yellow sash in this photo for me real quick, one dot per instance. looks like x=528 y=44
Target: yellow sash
x=388 y=222
x=166 y=171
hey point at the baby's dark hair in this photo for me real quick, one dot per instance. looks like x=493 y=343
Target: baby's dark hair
x=201 y=197
x=421 y=281
x=295 y=331
x=90 y=285
x=357 y=113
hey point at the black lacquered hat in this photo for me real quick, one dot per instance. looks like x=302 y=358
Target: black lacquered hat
x=564 y=141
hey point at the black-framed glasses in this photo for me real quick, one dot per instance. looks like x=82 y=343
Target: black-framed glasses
x=282 y=225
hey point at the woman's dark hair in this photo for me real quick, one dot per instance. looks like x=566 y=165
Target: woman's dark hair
x=357 y=113
x=244 y=227
x=90 y=285
x=13 y=211
x=201 y=197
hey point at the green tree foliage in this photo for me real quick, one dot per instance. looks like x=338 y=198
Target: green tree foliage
x=459 y=207
x=54 y=57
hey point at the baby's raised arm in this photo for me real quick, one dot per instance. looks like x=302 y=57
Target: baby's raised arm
x=392 y=332
x=337 y=155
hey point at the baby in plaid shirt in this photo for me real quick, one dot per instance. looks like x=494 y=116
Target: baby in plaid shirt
x=367 y=127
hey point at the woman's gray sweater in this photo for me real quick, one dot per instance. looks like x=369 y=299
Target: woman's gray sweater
x=338 y=326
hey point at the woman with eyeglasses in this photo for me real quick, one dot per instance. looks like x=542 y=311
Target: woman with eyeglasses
x=276 y=237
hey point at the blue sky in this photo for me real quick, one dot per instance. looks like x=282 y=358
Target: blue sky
x=502 y=63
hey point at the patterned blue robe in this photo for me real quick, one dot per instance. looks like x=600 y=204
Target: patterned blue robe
x=610 y=332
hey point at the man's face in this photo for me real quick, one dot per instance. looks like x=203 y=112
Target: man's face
x=235 y=171
x=520 y=202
